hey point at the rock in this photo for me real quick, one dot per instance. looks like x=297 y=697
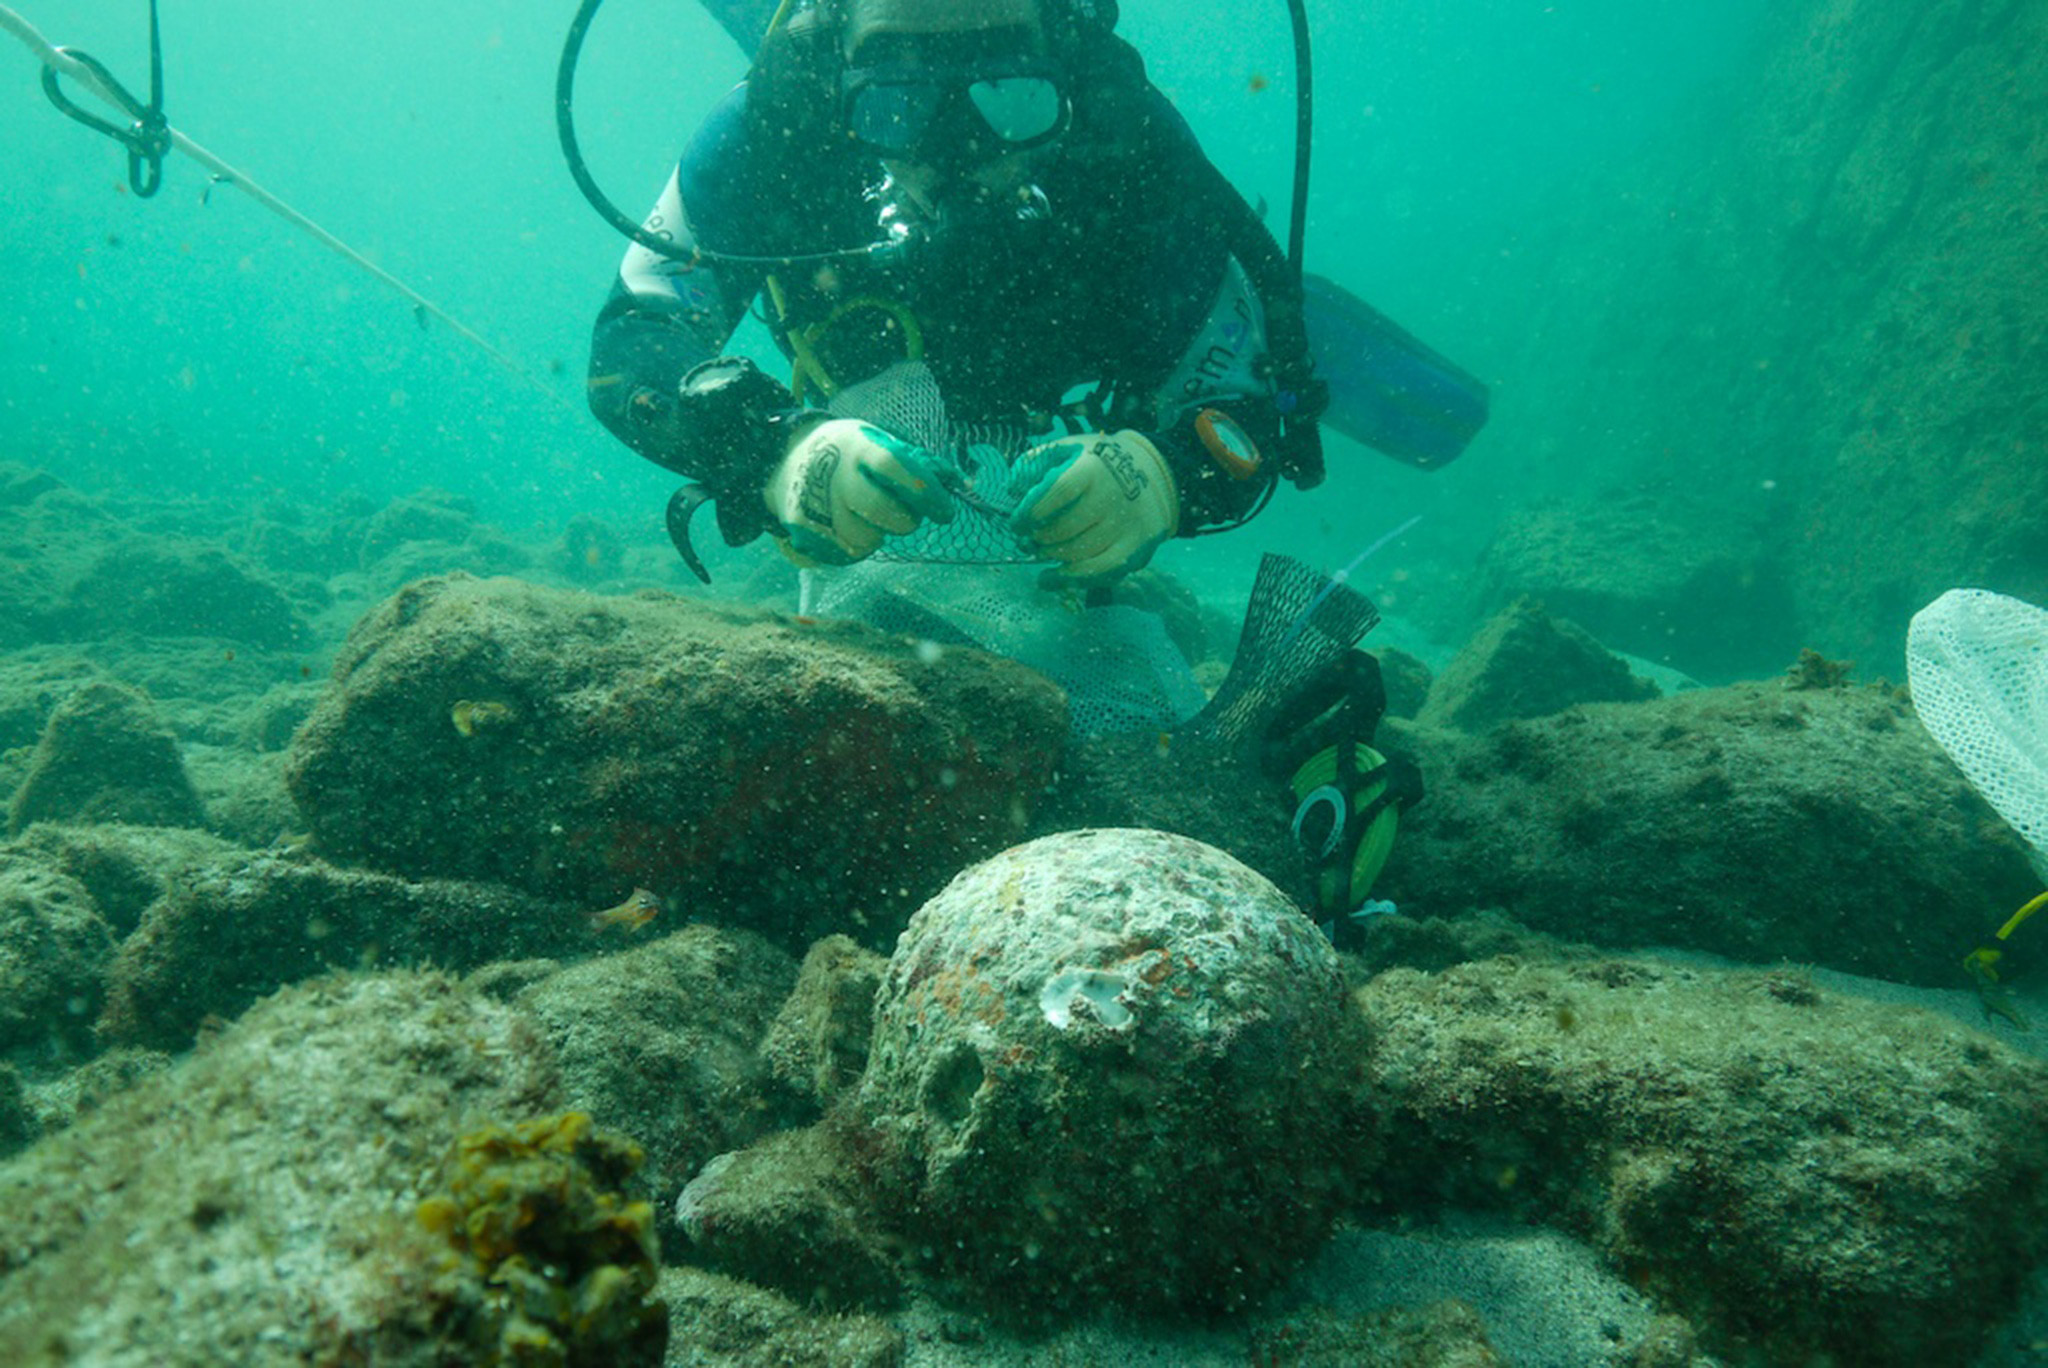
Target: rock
x=731 y=1324
x=1752 y=821
x=32 y=684
x=166 y=587
x=255 y=1205
x=1445 y=1334
x=817 y=1045
x=105 y=757
x=1684 y=582
x=17 y=1121
x=1525 y=663
x=236 y=927
x=59 y=1099
x=792 y=1213
x=662 y=1041
x=798 y=778
x=590 y=550
x=123 y=868
x=1407 y=680
x=1807 y=1177
x=54 y=952
x=1115 y=1068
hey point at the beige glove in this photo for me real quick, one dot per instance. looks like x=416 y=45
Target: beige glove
x=845 y=485
x=1100 y=505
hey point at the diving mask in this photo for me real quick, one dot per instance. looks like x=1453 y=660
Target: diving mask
x=916 y=111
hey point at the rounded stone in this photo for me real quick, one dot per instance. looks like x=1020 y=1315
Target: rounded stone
x=1115 y=1066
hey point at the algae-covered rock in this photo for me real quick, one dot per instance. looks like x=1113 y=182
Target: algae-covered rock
x=1118 y=1068
x=1525 y=663
x=800 y=778
x=256 y=1204
x=1445 y=1334
x=229 y=929
x=1753 y=821
x=105 y=757
x=166 y=587
x=722 y=1322
x=54 y=952
x=1695 y=581
x=1809 y=1177
x=794 y=1213
x=662 y=1042
x=124 y=868
x=817 y=1045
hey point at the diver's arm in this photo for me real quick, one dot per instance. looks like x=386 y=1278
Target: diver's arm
x=663 y=318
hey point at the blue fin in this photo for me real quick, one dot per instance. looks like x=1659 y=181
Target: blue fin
x=1388 y=389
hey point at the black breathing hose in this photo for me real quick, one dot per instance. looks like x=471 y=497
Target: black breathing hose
x=1304 y=122
x=565 y=129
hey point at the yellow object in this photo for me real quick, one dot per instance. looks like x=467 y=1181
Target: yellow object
x=632 y=914
x=471 y=716
x=810 y=370
x=1981 y=964
x=547 y=1260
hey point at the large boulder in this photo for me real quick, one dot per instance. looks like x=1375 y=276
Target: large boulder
x=662 y=1041
x=1812 y=1178
x=1760 y=821
x=231 y=928
x=1525 y=663
x=799 y=777
x=54 y=951
x=1114 y=1068
x=105 y=756
x=257 y=1204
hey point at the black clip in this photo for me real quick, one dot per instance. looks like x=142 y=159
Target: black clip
x=148 y=135
x=683 y=506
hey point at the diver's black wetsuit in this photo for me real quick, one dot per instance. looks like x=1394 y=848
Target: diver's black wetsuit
x=1146 y=277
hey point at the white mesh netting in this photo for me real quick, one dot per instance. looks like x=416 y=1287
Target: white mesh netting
x=972 y=582
x=1977 y=663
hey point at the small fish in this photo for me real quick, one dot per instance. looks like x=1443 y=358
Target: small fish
x=632 y=914
x=471 y=716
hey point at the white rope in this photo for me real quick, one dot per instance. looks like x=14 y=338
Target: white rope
x=224 y=174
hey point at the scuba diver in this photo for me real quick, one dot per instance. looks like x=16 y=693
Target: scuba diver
x=991 y=188
x=1032 y=334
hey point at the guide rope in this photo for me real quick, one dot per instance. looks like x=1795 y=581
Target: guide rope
x=148 y=137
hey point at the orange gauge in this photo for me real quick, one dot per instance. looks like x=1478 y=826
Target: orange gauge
x=1228 y=444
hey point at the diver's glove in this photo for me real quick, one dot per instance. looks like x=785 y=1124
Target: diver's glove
x=1100 y=505
x=844 y=485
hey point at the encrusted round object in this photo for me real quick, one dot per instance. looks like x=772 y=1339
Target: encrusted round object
x=1118 y=1067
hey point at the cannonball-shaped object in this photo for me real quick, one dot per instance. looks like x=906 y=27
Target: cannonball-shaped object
x=1115 y=1067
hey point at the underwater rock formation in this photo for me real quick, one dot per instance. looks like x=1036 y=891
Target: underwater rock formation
x=54 y=952
x=662 y=1041
x=795 y=1213
x=1816 y=302
x=817 y=1045
x=1756 y=821
x=798 y=778
x=1116 y=1068
x=733 y=1324
x=1525 y=663
x=1680 y=580
x=230 y=929
x=168 y=587
x=255 y=1204
x=1811 y=1178
x=105 y=756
